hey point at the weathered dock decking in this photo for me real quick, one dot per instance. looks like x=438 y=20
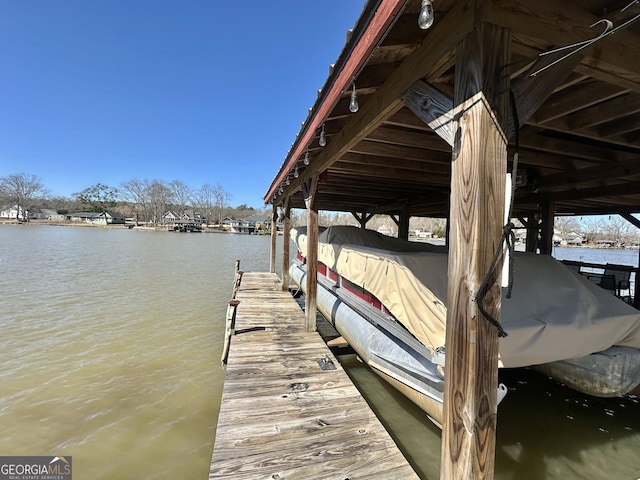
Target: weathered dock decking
x=282 y=415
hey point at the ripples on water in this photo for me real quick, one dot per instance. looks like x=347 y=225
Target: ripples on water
x=544 y=431
x=111 y=344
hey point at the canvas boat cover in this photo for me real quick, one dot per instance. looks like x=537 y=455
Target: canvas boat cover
x=553 y=314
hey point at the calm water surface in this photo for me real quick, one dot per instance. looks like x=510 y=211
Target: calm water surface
x=110 y=349
x=111 y=343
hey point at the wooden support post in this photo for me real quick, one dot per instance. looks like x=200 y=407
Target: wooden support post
x=274 y=233
x=362 y=218
x=230 y=329
x=309 y=190
x=286 y=244
x=403 y=224
x=636 y=289
x=447 y=228
x=236 y=283
x=636 y=285
x=546 y=228
x=478 y=175
x=359 y=217
x=533 y=233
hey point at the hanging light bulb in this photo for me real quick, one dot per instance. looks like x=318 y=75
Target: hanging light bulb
x=296 y=174
x=306 y=158
x=323 y=140
x=288 y=181
x=280 y=190
x=425 y=19
x=353 y=104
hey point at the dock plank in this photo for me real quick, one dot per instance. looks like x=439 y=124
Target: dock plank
x=282 y=416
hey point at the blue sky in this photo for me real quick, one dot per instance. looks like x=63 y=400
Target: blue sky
x=203 y=91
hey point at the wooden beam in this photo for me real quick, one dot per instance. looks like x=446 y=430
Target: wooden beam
x=398 y=175
x=570 y=147
x=358 y=53
x=636 y=223
x=618 y=191
x=286 y=244
x=531 y=92
x=395 y=136
x=533 y=231
x=433 y=107
x=631 y=219
x=310 y=191
x=274 y=227
x=362 y=218
x=443 y=37
x=366 y=147
x=412 y=166
x=566 y=103
x=477 y=204
x=563 y=23
x=584 y=175
x=403 y=224
x=546 y=228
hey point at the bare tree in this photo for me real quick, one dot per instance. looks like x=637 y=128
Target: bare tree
x=328 y=219
x=181 y=194
x=566 y=225
x=160 y=197
x=135 y=192
x=222 y=199
x=617 y=229
x=204 y=199
x=592 y=228
x=19 y=190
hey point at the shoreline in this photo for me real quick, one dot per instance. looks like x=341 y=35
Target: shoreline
x=120 y=226
x=162 y=228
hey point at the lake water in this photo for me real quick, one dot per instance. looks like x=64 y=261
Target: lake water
x=111 y=343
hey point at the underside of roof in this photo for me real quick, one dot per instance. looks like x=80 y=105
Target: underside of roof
x=578 y=109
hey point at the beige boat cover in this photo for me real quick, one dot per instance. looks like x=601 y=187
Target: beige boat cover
x=553 y=313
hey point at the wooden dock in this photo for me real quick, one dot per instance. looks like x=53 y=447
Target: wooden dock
x=289 y=410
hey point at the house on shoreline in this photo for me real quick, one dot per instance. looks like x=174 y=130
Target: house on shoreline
x=96 y=218
x=254 y=224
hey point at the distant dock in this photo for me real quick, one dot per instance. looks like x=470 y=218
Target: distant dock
x=289 y=410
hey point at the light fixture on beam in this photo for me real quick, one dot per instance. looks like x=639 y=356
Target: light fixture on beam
x=306 y=157
x=425 y=19
x=353 y=104
x=296 y=173
x=323 y=140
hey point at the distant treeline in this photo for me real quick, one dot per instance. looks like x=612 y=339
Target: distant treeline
x=145 y=200
x=148 y=200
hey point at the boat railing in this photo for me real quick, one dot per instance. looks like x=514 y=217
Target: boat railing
x=618 y=279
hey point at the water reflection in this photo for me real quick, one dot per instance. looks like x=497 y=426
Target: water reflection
x=111 y=346
x=545 y=430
